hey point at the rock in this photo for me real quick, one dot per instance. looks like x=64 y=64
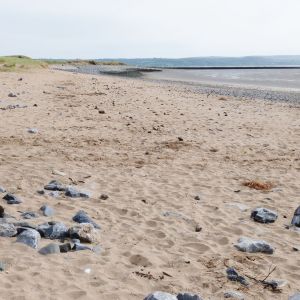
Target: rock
x=82 y=217
x=32 y=130
x=296 y=218
x=67 y=247
x=48 y=211
x=12 y=199
x=2 y=213
x=85 y=232
x=53 y=230
x=7 y=230
x=29 y=237
x=41 y=192
x=264 y=215
x=50 y=249
x=54 y=185
x=56 y=172
x=253 y=246
x=12 y=95
x=2 y=189
x=104 y=197
x=24 y=224
x=29 y=215
x=295 y=297
x=160 y=296
x=234 y=276
x=234 y=295
x=54 y=194
x=198 y=228
x=2 y=266
x=74 y=193
x=197 y=197
x=80 y=247
x=187 y=296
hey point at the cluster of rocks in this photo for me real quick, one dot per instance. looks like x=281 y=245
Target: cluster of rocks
x=167 y=296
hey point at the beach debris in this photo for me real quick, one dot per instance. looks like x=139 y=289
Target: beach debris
x=56 y=172
x=32 y=130
x=296 y=218
x=29 y=215
x=160 y=296
x=295 y=297
x=55 y=185
x=233 y=275
x=74 y=193
x=29 y=237
x=253 y=246
x=7 y=230
x=85 y=232
x=264 y=215
x=12 y=199
x=234 y=295
x=50 y=249
x=104 y=197
x=53 y=230
x=258 y=185
x=12 y=95
x=82 y=217
x=187 y=296
x=2 y=189
x=47 y=210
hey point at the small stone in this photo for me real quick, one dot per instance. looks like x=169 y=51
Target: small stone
x=7 y=230
x=74 y=193
x=85 y=232
x=234 y=295
x=197 y=197
x=198 y=228
x=160 y=296
x=253 y=246
x=180 y=139
x=41 y=192
x=2 y=213
x=32 y=130
x=82 y=217
x=48 y=211
x=101 y=112
x=104 y=197
x=54 y=194
x=264 y=215
x=29 y=237
x=12 y=199
x=29 y=215
x=54 y=185
x=2 y=266
x=50 y=249
x=187 y=296
x=2 y=189
x=67 y=247
x=53 y=230
x=295 y=297
x=296 y=218
x=234 y=276
x=56 y=172
x=80 y=247
x=12 y=95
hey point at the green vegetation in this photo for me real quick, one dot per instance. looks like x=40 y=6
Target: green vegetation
x=19 y=62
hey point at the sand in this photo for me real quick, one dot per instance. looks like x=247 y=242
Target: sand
x=132 y=153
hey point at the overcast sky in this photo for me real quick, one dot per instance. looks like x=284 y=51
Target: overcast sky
x=149 y=28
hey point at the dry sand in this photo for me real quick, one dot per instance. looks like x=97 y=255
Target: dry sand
x=132 y=153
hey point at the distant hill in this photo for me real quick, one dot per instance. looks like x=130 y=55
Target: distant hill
x=281 y=60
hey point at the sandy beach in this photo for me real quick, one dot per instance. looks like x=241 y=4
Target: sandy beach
x=152 y=148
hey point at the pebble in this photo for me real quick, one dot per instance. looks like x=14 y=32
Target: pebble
x=187 y=296
x=54 y=185
x=197 y=198
x=160 y=296
x=2 y=213
x=29 y=237
x=12 y=199
x=264 y=215
x=82 y=217
x=53 y=230
x=2 y=189
x=32 y=130
x=50 y=249
x=198 y=228
x=253 y=246
x=295 y=297
x=80 y=247
x=74 y=193
x=47 y=210
x=54 y=194
x=7 y=230
x=12 y=95
x=296 y=218
x=233 y=275
x=85 y=232
x=67 y=247
x=234 y=295
x=29 y=215
x=104 y=197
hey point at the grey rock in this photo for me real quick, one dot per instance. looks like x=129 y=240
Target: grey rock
x=48 y=211
x=54 y=185
x=12 y=199
x=85 y=232
x=29 y=215
x=12 y=95
x=54 y=194
x=160 y=296
x=32 y=130
x=253 y=246
x=295 y=297
x=233 y=275
x=25 y=225
x=197 y=197
x=2 y=266
x=234 y=295
x=29 y=237
x=7 y=230
x=53 y=230
x=187 y=296
x=41 y=192
x=2 y=213
x=103 y=197
x=296 y=218
x=80 y=247
x=74 y=193
x=50 y=249
x=2 y=189
x=67 y=247
x=264 y=215
x=82 y=217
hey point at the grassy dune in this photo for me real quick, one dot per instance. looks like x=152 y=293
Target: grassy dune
x=20 y=62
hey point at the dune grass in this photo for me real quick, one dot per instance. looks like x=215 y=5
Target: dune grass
x=19 y=62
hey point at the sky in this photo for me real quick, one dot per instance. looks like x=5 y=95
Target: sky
x=149 y=28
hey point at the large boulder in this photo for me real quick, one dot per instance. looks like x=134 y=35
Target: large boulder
x=29 y=237
x=85 y=232
x=82 y=217
x=296 y=218
x=245 y=244
x=264 y=215
x=160 y=296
